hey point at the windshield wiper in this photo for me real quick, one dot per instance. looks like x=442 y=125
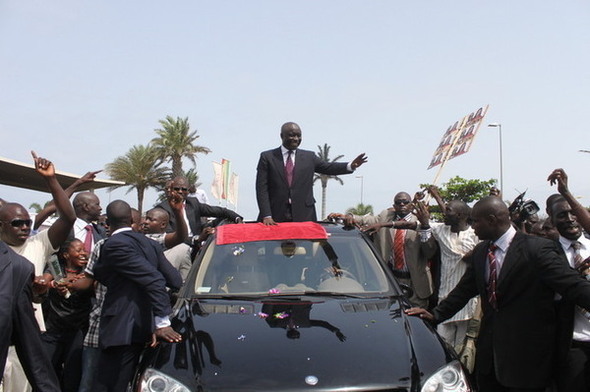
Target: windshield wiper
x=321 y=294
x=237 y=297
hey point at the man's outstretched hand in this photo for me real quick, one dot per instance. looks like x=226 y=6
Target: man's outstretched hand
x=362 y=158
x=166 y=334
x=419 y=312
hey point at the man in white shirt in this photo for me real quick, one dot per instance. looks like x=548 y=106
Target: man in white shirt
x=15 y=228
x=88 y=209
x=455 y=239
x=574 y=371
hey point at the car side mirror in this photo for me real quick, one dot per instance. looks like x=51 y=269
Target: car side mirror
x=407 y=291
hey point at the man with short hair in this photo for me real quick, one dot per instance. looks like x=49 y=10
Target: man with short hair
x=400 y=246
x=455 y=238
x=154 y=227
x=17 y=321
x=86 y=228
x=516 y=276
x=284 y=179
x=91 y=350
x=136 y=273
x=15 y=229
x=568 y=216
x=193 y=210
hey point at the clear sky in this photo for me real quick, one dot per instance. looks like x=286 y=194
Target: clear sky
x=83 y=81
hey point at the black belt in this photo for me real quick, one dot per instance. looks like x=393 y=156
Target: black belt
x=401 y=274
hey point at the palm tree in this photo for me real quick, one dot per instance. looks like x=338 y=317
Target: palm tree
x=324 y=153
x=175 y=142
x=360 y=209
x=35 y=207
x=139 y=170
x=193 y=177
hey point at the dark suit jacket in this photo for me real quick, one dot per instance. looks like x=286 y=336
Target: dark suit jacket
x=519 y=337
x=136 y=273
x=18 y=325
x=273 y=192
x=195 y=210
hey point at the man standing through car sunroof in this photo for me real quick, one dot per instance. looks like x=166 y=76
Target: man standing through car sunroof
x=284 y=179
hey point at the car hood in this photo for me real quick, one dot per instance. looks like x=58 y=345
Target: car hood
x=299 y=343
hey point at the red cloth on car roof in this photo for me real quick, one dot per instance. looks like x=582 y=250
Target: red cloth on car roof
x=249 y=232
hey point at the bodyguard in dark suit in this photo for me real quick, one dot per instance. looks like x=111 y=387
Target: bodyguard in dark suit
x=136 y=306
x=517 y=276
x=18 y=325
x=284 y=179
x=194 y=209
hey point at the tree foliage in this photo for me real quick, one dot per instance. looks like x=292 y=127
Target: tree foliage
x=35 y=207
x=138 y=169
x=360 y=209
x=458 y=188
x=324 y=154
x=175 y=141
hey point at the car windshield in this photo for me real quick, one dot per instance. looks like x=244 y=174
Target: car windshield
x=340 y=265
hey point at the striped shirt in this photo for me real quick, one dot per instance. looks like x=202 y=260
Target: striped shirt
x=453 y=246
x=100 y=291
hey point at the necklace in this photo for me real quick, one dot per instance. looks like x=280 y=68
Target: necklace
x=72 y=271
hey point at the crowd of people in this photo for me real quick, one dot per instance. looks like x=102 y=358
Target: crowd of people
x=82 y=299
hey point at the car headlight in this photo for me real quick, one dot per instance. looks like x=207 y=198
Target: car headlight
x=154 y=381
x=448 y=378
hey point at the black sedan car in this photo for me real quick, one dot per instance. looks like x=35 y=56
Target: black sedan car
x=296 y=307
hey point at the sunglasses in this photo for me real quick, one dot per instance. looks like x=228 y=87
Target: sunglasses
x=401 y=202
x=178 y=189
x=20 y=222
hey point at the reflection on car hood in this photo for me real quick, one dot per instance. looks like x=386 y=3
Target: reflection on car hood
x=298 y=343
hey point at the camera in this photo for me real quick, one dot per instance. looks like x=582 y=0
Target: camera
x=521 y=209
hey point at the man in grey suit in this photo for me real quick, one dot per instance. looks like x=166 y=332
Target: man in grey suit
x=284 y=179
x=409 y=263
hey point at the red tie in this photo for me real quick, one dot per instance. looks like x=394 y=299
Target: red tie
x=88 y=239
x=493 y=275
x=399 y=258
x=289 y=168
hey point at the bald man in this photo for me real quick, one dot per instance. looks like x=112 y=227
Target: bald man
x=178 y=253
x=15 y=230
x=517 y=276
x=284 y=179
x=136 y=273
x=409 y=262
x=86 y=229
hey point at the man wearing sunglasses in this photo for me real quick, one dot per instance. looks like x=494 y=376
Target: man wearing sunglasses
x=193 y=210
x=400 y=245
x=15 y=227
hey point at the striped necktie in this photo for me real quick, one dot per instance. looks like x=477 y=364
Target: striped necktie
x=578 y=259
x=289 y=168
x=399 y=247
x=493 y=266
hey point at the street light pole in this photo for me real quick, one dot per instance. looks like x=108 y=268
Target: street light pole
x=499 y=126
x=362 y=181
